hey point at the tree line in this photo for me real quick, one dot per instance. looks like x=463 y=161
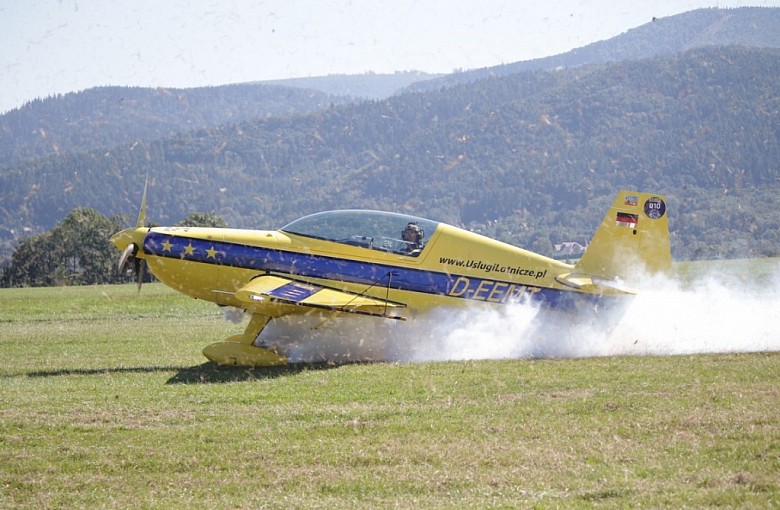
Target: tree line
x=78 y=251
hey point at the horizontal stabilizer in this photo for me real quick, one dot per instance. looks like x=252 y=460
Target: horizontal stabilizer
x=587 y=283
x=282 y=290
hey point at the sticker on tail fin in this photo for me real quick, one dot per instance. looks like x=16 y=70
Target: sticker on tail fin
x=626 y=220
x=655 y=208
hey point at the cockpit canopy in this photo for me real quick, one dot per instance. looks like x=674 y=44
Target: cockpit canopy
x=376 y=230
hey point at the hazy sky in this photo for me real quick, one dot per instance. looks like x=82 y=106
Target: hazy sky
x=49 y=46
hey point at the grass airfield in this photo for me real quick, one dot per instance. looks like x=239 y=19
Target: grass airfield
x=106 y=401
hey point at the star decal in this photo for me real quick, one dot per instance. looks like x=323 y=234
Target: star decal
x=167 y=245
x=189 y=249
x=212 y=253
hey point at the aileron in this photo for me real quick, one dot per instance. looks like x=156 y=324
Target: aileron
x=278 y=289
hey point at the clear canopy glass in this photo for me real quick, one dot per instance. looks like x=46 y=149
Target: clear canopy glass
x=373 y=230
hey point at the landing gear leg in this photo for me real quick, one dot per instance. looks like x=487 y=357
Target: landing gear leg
x=239 y=350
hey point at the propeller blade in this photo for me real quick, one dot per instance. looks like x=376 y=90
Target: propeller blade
x=140 y=269
x=128 y=254
x=142 y=213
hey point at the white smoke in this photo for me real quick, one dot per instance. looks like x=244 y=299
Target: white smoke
x=713 y=314
x=485 y=332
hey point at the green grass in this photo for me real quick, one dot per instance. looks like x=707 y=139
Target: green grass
x=758 y=272
x=106 y=401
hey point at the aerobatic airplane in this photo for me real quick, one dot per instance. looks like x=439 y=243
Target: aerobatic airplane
x=387 y=266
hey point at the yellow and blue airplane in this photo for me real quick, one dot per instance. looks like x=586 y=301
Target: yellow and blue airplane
x=388 y=266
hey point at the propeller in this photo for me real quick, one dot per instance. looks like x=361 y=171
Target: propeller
x=139 y=265
x=127 y=256
x=135 y=237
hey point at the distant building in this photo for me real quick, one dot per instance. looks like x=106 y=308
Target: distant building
x=568 y=250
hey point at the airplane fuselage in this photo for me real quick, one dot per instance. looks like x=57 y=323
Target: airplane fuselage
x=455 y=268
x=389 y=265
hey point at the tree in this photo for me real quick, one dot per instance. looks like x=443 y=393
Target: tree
x=202 y=219
x=543 y=245
x=75 y=252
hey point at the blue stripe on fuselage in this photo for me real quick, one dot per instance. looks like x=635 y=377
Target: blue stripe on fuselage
x=295 y=263
x=259 y=258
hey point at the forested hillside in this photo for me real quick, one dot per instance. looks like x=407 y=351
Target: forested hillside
x=532 y=158
x=108 y=116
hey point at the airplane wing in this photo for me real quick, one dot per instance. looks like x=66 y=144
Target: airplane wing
x=274 y=290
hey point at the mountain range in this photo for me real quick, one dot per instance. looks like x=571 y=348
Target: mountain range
x=529 y=152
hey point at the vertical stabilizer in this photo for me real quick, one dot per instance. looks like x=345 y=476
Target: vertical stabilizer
x=632 y=240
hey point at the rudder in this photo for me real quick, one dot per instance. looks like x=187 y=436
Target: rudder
x=632 y=240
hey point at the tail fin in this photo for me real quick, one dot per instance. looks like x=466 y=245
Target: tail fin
x=633 y=239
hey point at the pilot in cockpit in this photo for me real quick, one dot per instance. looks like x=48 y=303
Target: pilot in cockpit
x=412 y=236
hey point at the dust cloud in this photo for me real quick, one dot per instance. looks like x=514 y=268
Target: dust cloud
x=715 y=314
x=712 y=314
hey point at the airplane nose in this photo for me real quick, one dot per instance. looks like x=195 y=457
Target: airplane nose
x=131 y=242
x=129 y=236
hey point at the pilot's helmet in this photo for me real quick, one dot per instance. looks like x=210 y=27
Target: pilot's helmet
x=415 y=228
